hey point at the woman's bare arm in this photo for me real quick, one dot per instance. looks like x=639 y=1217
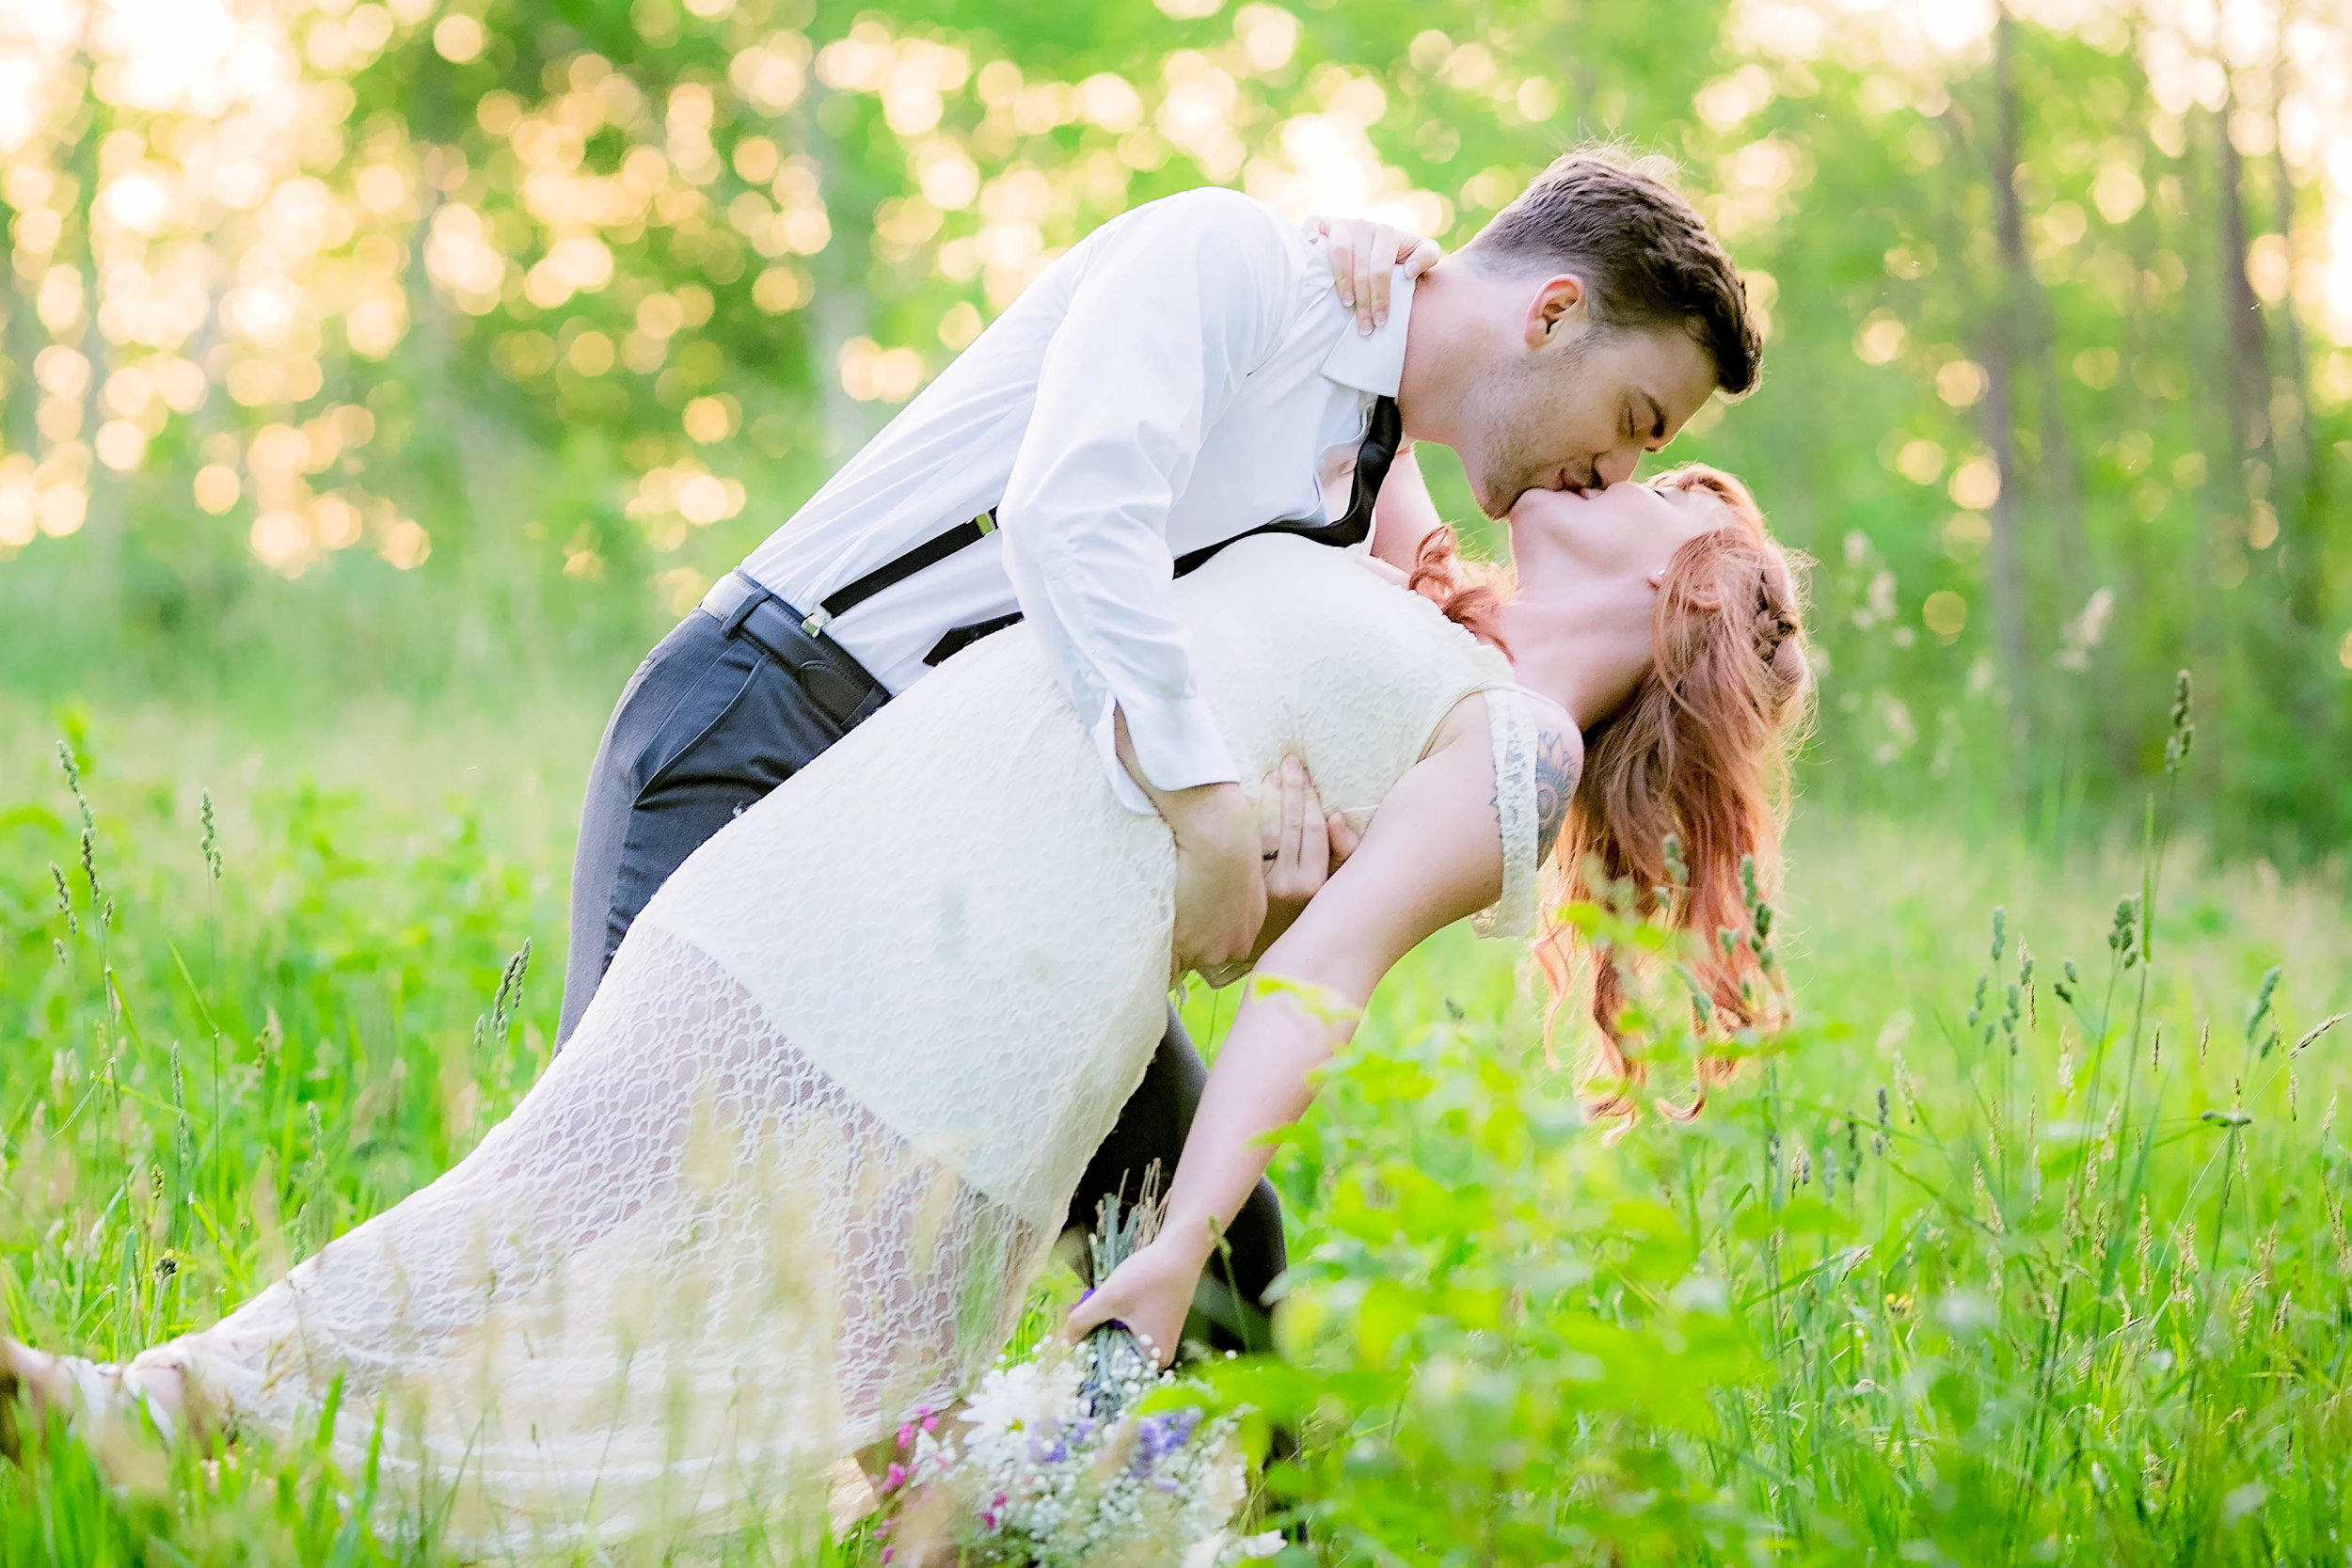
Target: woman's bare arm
x=1404 y=515
x=1432 y=855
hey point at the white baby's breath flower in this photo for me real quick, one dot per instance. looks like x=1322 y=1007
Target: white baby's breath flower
x=1044 y=1482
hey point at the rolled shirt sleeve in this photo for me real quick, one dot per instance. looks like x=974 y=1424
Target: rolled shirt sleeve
x=1179 y=304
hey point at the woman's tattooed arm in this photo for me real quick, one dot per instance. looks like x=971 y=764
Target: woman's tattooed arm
x=1559 y=764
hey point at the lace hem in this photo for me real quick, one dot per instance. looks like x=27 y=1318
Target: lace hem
x=685 y=1275
x=1512 y=730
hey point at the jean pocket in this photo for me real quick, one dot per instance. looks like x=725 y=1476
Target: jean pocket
x=700 y=711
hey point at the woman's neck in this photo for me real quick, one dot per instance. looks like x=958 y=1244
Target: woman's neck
x=1581 y=642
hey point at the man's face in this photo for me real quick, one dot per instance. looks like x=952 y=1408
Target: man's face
x=1577 y=406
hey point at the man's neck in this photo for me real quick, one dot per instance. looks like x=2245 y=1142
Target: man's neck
x=1444 y=340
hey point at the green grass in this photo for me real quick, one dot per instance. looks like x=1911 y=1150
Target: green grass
x=2081 y=1301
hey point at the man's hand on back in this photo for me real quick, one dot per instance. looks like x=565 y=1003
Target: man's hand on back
x=1220 y=879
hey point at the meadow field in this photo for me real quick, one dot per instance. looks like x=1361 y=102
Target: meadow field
x=2024 y=1242
x=379 y=379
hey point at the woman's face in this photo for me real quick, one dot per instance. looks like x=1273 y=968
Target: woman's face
x=1626 y=529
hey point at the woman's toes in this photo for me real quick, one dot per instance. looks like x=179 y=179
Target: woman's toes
x=31 y=1385
x=11 y=1401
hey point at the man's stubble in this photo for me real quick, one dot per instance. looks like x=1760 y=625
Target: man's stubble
x=1515 y=411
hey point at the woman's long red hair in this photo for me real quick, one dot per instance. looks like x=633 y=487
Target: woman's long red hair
x=1699 y=752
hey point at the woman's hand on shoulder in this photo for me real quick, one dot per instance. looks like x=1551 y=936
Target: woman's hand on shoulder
x=1362 y=253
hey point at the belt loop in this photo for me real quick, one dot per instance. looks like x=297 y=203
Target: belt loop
x=742 y=612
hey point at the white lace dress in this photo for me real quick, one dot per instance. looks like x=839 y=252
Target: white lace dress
x=818 y=1129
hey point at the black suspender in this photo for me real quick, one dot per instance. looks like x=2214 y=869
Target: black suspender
x=1384 y=433
x=892 y=573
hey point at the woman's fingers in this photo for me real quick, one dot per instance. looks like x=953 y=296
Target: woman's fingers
x=1343 y=268
x=1270 y=818
x=1371 y=275
x=1363 y=255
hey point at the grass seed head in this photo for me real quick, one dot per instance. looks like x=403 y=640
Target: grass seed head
x=2183 y=735
x=73 y=782
x=2261 y=1009
x=211 y=840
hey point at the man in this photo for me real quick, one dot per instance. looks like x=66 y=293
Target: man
x=1185 y=376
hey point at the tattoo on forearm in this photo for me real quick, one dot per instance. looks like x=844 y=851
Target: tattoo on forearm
x=1559 y=761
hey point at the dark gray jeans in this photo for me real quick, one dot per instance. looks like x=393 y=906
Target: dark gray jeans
x=712 y=723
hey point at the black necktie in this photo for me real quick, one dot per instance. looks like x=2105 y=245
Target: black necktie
x=1381 y=438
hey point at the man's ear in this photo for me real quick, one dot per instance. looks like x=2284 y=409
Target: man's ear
x=1558 y=306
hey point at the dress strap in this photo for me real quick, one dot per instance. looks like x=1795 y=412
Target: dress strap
x=1512 y=729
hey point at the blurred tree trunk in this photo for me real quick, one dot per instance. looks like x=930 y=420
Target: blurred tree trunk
x=2248 y=381
x=2204 y=350
x=2005 y=582
x=2303 y=522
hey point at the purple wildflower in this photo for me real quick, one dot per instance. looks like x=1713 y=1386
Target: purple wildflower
x=1158 y=1436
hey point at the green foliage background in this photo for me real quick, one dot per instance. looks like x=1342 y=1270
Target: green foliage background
x=790 y=210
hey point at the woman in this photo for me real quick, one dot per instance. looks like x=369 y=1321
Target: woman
x=816 y=1134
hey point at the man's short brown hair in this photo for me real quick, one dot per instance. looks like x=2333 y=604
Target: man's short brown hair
x=1643 y=251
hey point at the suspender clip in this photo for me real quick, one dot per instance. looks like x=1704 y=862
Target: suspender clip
x=817 y=621
x=986 y=521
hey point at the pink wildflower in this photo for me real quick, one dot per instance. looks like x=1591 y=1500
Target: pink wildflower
x=894 y=1477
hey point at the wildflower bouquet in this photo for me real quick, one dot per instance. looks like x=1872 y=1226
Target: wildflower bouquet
x=1071 y=1457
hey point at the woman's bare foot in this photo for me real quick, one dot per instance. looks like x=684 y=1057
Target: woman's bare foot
x=32 y=1386
x=115 y=1412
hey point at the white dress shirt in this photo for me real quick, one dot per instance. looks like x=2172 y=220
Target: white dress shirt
x=1180 y=376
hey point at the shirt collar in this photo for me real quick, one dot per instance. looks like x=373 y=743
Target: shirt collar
x=1374 y=362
